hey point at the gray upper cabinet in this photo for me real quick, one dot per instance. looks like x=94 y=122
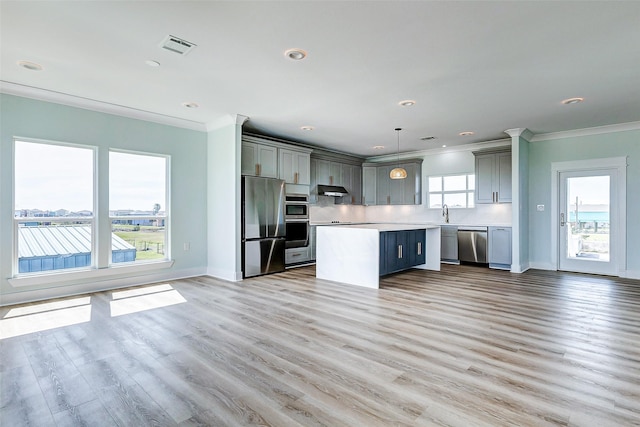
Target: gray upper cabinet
x=369 y=185
x=271 y=158
x=259 y=160
x=380 y=189
x=493 y=176
x=294 y=166
x=331 y=170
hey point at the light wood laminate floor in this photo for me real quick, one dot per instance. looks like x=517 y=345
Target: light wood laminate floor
x=466 y=346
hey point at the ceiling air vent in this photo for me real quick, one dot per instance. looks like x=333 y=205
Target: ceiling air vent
x=177 y=45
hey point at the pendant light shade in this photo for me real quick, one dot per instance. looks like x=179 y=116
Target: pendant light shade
x=398 y=172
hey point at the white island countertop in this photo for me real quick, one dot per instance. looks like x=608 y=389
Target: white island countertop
x=388 y=226
x=350 y=253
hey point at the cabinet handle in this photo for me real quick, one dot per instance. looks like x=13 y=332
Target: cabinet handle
x=419 y=248
x=399 y=251
x=353 y=200
x=496 y=197
x=295 y=255
x=330 y=180
x=257 y=169
x=295 y=177
x=388 y=200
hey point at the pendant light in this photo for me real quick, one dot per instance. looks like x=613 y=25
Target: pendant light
x=398 y=172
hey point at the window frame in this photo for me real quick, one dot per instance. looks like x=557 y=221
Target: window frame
x=101 y=266
x=167 y=209
x=469 y=193
x=19 y=220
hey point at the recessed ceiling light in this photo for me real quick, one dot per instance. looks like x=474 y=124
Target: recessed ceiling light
x=30 y=65
x=466 y=133
x=152 y=63
x=295 y=54
x=572 y=101
x=190 y=104
x=306 y=127
x=427 y=138
x=444 y=146
x=407 y=103
x=378 y=147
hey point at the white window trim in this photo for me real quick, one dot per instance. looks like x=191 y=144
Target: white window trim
x=443 y=192
x=167 y=209
x=34 y=279
x=95 y=271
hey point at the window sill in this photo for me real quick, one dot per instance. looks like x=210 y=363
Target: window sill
x=93 y=274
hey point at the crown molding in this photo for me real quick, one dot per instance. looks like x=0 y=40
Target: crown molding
x=517 y=132
x=95 y=105
x=457 y=148
x=598 y=130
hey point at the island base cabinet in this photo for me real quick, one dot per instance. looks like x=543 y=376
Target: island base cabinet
x=400 y=250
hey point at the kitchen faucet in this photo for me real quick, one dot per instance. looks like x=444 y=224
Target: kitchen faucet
x=445 y=213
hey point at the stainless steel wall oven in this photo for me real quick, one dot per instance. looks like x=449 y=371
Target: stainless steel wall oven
x=297 y=220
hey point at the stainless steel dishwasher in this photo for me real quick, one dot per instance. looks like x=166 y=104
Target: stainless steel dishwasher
x=472 y=244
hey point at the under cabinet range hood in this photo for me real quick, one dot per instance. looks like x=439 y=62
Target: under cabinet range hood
x=332 y=190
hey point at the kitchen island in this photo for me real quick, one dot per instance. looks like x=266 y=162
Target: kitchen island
x=359 y=254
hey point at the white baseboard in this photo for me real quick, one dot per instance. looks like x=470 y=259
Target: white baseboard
x=96 y=286
x=630 y=274
x=542 y=266
x=515 y=268
x=230 y=275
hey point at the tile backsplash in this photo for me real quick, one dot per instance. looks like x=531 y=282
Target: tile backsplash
x=494 y=214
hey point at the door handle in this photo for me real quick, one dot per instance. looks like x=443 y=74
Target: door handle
x=562 y=219
x=419 y=248
x=399 y=251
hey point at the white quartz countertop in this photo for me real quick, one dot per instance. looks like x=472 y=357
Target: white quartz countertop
x=388 y=227
x=413 y=225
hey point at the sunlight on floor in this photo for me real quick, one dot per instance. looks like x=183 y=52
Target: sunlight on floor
x=45 y=316
x=141 y=299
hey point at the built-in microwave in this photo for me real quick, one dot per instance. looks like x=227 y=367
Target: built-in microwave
x=296 y=207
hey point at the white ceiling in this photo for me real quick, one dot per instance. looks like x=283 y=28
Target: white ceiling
x=470 y=66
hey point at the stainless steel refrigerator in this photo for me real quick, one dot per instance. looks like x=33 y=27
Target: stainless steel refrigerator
x=263 y=226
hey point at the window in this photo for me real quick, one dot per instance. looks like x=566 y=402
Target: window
x=53 y=207
x=58 y=211
x=138 y=207
x=456 y=191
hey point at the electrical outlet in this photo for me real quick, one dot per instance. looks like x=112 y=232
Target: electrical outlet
x=540 y=208
x=187 y=246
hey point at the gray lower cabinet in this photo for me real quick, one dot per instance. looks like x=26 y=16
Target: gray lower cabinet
x=401 y=250
x=500 y=247
x=297 y=255
x=449 y=244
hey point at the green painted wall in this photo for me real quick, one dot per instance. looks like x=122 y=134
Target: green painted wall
x=543 y=153
x=49 y=121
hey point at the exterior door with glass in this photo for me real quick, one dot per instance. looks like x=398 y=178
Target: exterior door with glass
x=587 y=221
